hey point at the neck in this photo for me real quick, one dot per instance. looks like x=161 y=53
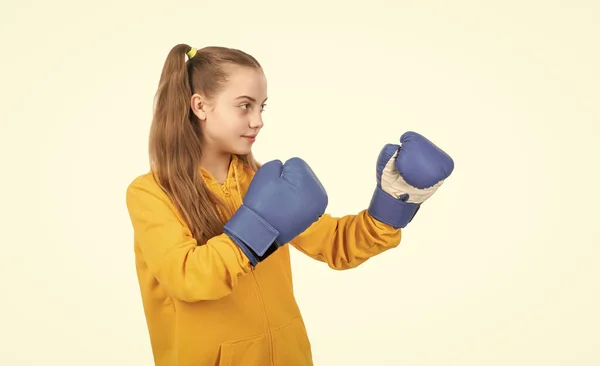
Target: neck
x=216 y=163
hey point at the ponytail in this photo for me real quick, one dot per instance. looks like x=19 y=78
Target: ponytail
x=175 y=148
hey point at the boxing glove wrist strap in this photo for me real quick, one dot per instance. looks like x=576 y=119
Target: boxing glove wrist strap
x=391 y=211
x=252 y=234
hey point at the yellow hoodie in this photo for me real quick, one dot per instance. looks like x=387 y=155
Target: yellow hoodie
x=205 y=305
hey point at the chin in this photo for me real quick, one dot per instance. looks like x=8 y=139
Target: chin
x=241 y=150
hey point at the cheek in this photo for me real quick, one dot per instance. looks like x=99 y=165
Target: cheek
x=230 y=121
x=237 y=119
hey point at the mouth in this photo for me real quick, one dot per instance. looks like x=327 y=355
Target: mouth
x=250 y=138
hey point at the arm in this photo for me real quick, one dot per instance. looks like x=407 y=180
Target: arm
x=187 y=271
x=407 y=176
x=348 y=241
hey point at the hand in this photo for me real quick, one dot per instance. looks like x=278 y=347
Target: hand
x=282 y=201
x=407 y=175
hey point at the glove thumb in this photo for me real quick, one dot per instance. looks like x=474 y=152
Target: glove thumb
x=272 y=168
x=387 y=153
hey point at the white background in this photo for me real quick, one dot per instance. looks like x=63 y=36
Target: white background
x=500 y=267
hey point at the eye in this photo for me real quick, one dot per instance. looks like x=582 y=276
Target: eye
x=262 y=107
x=245 y=106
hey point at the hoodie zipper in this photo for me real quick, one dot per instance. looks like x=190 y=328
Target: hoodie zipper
x=267 y=324
x=224 y=189
x=266 y=319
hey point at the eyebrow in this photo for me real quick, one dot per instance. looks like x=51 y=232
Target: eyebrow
x=250 y=98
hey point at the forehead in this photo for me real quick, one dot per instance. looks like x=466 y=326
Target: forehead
x=245 y=81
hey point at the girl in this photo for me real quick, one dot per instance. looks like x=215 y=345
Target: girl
x=211 y=297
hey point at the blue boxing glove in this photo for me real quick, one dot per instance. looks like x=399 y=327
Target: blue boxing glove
x=407 y=175
x=282 y=201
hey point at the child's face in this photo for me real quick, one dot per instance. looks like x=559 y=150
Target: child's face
x=233 y=118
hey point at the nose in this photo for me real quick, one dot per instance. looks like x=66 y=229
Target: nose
x=256 y=122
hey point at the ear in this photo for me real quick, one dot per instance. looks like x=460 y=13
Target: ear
x=198 y=104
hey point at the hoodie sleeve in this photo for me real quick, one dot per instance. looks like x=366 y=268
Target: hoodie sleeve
x=348 y=241
x=187 y=271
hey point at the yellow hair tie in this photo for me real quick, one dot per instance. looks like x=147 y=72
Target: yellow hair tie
x=191 y=53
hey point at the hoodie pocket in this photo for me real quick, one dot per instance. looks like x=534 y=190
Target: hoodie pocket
x=291 y=346
x=251 y=351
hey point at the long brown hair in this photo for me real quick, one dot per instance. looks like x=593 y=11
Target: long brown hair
x=175 y=145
